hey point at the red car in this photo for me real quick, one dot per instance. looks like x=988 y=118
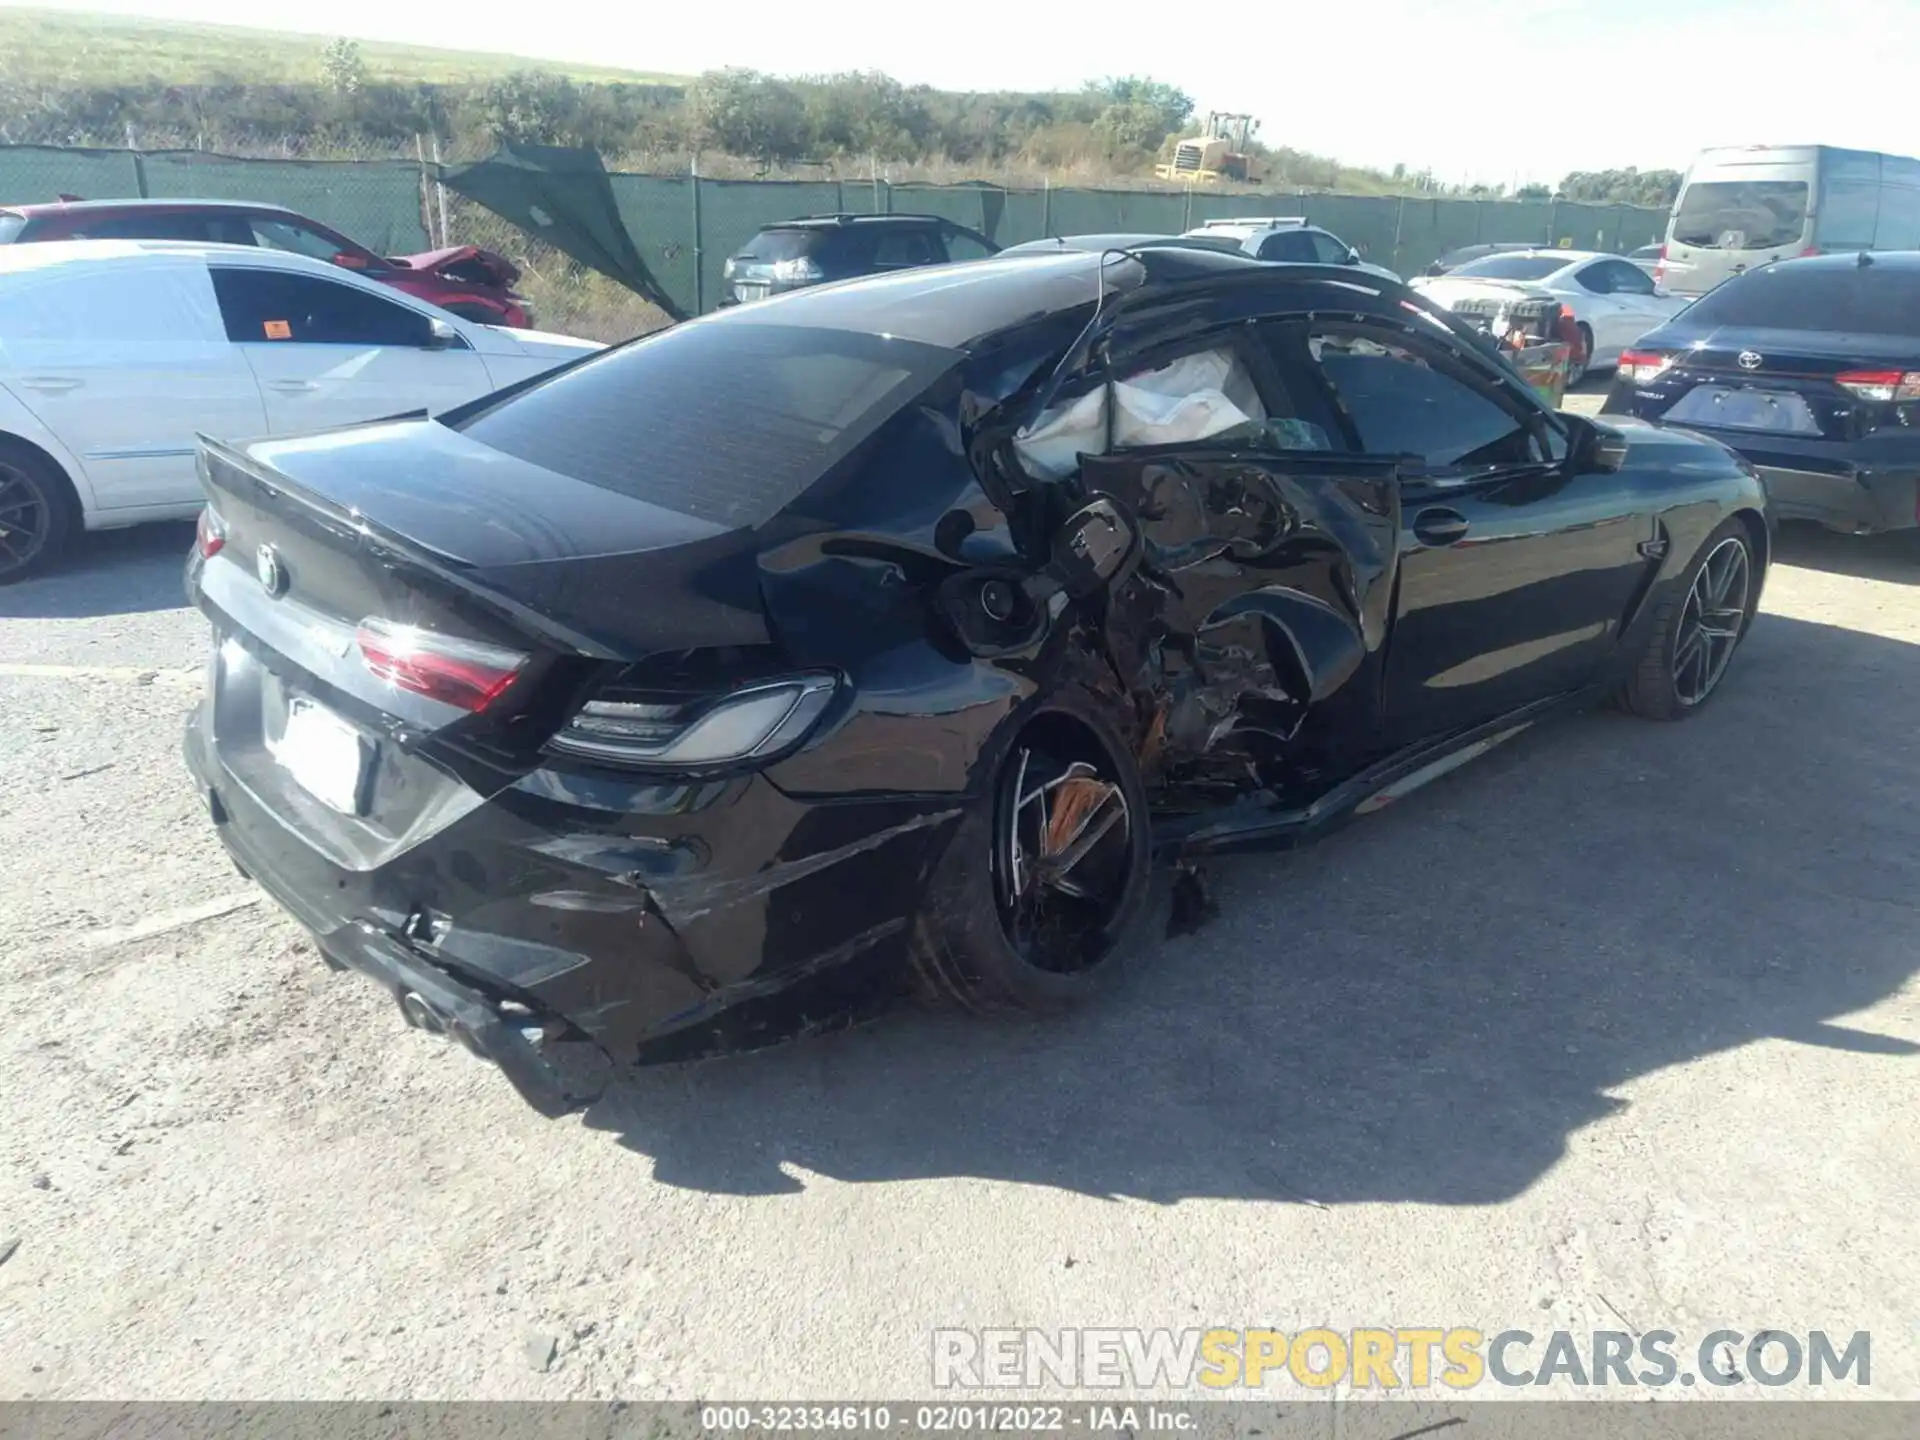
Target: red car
x=469 y=282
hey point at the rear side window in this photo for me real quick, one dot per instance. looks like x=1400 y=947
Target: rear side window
x=1328 y=249
x=293 y=238
x=722 y=421
x=1513 y=267
x=272 y=306
x=1290 y=245
x=137 y=304
x=902 y=247
x=965 y=245
x=1741 y=214
x=781 y=245
x=1863 y=300
x=145 y=227
x=1402 y=404
x=1615 y=277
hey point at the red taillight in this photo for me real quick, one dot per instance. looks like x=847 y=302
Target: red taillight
x=1885 y=386
x=210 y=534
x=464 y=673
x=1637 y=367
x=1809 y=252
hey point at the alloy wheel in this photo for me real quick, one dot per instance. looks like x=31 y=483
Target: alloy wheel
x=1063 y=841
x=26 y=520
x=1712 y=620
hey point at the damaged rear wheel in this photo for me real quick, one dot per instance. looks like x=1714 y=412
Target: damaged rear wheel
x=1041 y=889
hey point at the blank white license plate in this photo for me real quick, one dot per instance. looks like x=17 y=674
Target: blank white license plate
x=750 y=292
x=1745 y=409
x=325 y=754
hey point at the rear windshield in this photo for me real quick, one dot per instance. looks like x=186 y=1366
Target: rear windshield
x=1862 y=300
x=724 y=421
x=1513 y=267
x=782 y=245
x=10 y=227
x=1741 y=214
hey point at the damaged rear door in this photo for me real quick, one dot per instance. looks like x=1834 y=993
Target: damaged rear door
x=1263 y=595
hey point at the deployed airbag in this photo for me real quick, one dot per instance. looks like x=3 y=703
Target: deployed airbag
x=1189 y=399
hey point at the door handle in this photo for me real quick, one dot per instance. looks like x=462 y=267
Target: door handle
x=51 y=382
x=292 y=387
x=1439 y=527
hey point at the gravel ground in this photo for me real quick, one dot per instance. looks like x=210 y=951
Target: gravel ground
x=1616 y=1026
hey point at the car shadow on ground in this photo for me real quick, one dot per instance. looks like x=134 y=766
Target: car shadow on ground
x=1424 y=1007
x=1893 y=556
x=109 y=572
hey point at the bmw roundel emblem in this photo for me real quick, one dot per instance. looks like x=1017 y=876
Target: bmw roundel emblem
x=1749 y=360
x=273 y=575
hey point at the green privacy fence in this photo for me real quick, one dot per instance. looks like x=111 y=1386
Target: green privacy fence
x=684 y=227
x=675 y=219
x=377 y=202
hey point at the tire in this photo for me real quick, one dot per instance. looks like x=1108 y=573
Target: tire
x=1579 y=365
x=965 y=941
x=38 y=512
x=1667 y=682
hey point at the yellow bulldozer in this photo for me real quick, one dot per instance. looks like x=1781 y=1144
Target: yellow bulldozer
x=1220 y=153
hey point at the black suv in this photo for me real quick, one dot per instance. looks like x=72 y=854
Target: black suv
x=797 y=253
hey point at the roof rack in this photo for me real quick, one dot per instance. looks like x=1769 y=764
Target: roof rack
x=849 y=218
x=1276 y=221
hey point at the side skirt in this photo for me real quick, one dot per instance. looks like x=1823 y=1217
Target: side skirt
x=1252 y=827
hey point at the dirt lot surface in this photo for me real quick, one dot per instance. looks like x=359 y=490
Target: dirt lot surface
x=1618 y=1027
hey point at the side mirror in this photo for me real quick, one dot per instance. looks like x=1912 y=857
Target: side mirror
x=1596 y=447
x=1353 y=257
x=1094 y=548
x=441 y=335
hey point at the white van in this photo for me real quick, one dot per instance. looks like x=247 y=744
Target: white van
x=1751 y=205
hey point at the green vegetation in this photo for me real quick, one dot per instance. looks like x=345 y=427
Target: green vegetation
x=81 y=79
x=77 y=49
x=1623 y=187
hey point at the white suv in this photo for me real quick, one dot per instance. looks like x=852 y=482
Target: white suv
x=1289 y=238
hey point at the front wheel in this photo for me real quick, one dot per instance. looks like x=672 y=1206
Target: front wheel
x=1039 y=894
x=1697 y=628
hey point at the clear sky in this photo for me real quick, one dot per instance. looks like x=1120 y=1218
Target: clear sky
x=1486 y=90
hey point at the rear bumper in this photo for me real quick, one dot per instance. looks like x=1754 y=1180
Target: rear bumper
x=1856 y=501
x=1807 y=480
x=427 y=995
x=656 y=922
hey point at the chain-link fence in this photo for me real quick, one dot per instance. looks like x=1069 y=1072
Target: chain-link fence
x=684 y=227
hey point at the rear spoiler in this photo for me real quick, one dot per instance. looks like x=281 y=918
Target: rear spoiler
x=366 y=531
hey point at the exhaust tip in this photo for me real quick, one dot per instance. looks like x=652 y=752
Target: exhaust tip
x=420 y=1014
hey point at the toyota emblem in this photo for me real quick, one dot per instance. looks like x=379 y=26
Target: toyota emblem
x=1749 y=359
x=273 y=575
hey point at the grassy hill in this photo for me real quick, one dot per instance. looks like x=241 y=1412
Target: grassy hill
x=81 y=49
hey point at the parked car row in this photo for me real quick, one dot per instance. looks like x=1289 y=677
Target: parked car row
x=463 y=280
x=1612 y=302
x=116 y=354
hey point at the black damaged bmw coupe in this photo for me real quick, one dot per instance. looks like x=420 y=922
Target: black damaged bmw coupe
x=876 y=638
